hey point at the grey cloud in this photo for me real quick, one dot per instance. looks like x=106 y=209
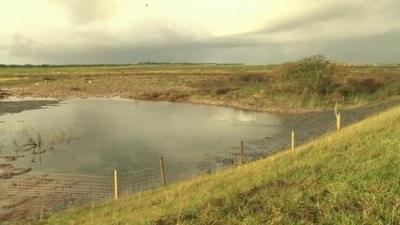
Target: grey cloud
x=330 y=13
x=86 y=11
x=163 y=43
x=21 y=46
x=350 y=11
x=381 y=48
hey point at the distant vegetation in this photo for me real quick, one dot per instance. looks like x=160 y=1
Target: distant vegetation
x=311 y=70
x=110 y=65
x=317 y=77
x=312 y=83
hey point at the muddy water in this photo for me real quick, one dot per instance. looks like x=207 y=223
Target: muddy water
x=93 y=136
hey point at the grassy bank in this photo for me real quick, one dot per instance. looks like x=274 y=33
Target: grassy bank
x=346 y=177
x=298 y=86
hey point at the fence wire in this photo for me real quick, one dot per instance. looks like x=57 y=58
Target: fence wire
x=139 y=180
x=34 y=195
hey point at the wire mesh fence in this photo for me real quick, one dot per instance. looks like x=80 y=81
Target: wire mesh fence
x=34 y=195
x=141 y=180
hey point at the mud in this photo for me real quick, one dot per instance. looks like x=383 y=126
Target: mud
x=20 y=106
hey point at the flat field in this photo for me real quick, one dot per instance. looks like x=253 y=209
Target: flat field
x=253 y=87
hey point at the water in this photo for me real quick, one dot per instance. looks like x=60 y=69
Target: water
x=93 y=136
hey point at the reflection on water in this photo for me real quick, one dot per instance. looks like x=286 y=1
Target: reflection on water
x=97 y=135
x=236 y=116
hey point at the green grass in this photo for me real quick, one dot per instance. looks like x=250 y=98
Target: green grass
x=346 y=177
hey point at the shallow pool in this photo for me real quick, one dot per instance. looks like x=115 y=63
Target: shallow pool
x=93 y=136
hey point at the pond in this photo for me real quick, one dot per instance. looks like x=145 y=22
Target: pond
x=54 y=154
x=93 y=136
x=96 y=135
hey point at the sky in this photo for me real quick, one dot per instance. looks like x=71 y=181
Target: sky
x=220 y=31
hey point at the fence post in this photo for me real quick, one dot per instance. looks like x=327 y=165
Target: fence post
x=241 y=153
x=41 y=213
x=162 y=170
x=293 y=139
x=336 y=108
x=338 y=121
x=115 y=184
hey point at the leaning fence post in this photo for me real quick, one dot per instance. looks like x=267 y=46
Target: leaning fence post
x=293 y=139
x=338 y=121
x=162 y=170
x=115 y=184
x=241 y=153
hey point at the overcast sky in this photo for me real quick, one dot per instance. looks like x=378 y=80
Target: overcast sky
x=235 y=31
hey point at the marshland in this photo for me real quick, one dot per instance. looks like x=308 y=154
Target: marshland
x=92 y=119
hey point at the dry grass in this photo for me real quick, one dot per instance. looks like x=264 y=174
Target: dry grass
x=258 y=88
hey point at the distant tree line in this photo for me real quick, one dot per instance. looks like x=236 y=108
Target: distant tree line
x=108 y=65
x=184 y=63
x=54 y=65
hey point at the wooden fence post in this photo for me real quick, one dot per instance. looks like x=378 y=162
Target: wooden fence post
x=338 y=121
x=336 y=108
x=293 y=139
x=241 y=153
x=41 y=214
x=115 y=184
x=162 y=171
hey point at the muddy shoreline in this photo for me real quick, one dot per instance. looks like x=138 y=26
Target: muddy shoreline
x=23 y=105
x=167 y=96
